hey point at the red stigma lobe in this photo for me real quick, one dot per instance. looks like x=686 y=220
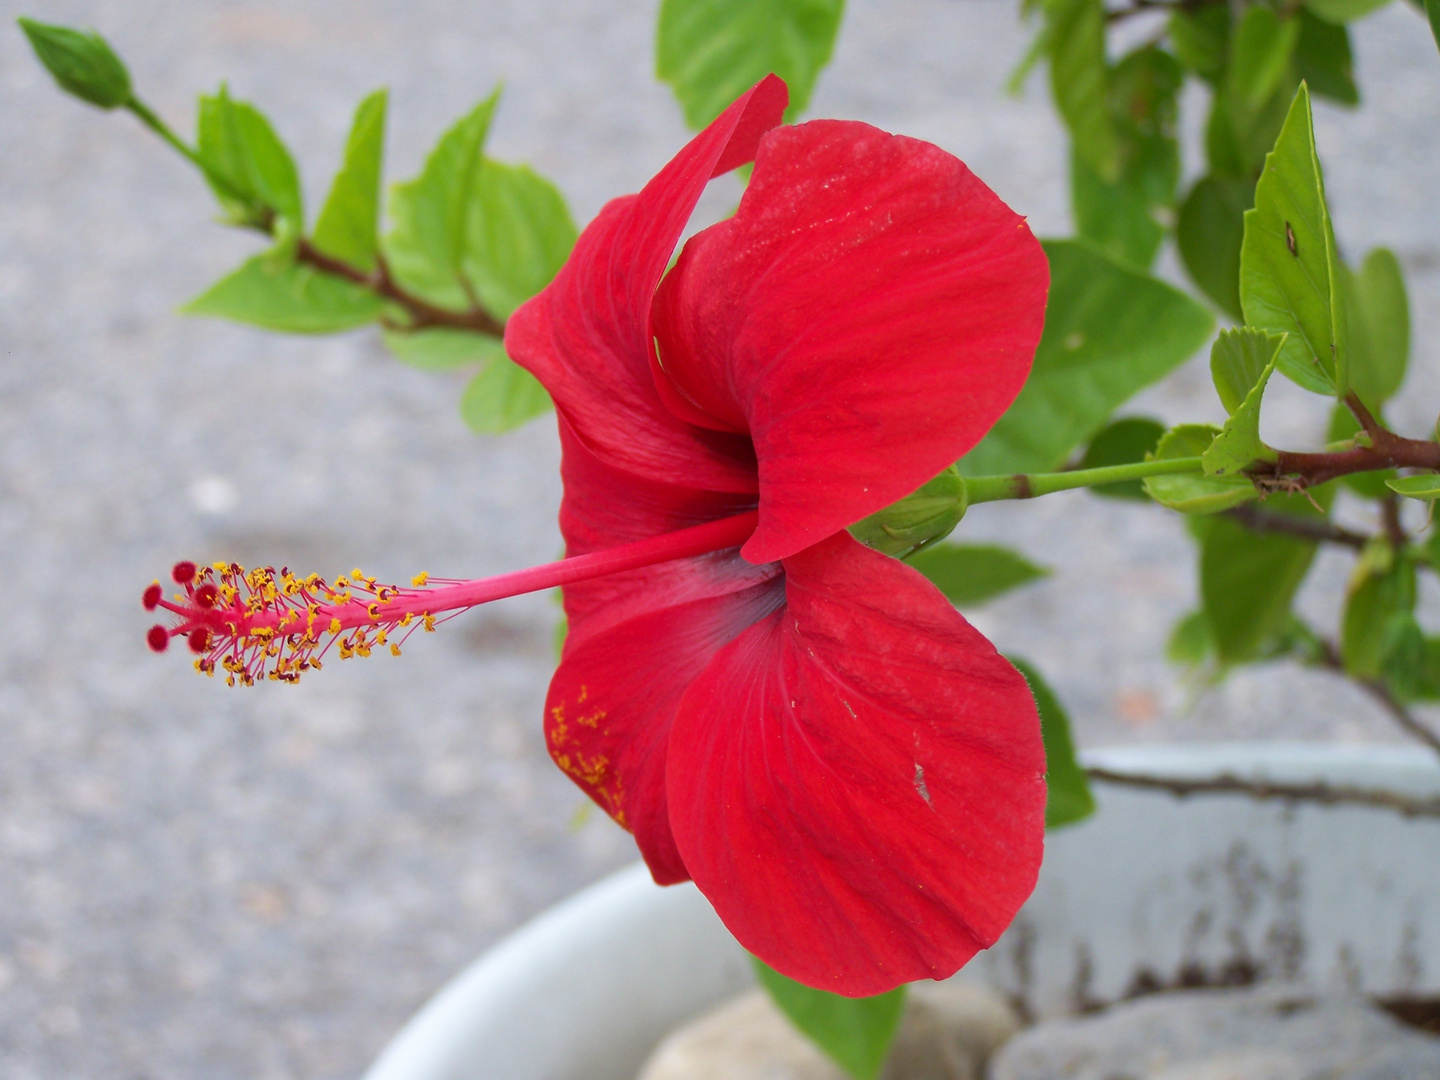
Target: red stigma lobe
x=158 y=638
x=152 y=596
x=183 y=572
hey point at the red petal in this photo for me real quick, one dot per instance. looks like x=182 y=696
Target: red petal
x=856 y=783
x=611 y=703
x=867 y=314
x=586 y=336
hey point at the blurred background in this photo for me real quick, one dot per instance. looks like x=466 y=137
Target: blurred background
x=266 y=883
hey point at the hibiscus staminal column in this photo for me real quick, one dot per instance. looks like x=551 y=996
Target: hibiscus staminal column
x=268 y=624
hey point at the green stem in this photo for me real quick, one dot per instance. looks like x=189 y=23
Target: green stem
x=155 y=124
x=980 y=489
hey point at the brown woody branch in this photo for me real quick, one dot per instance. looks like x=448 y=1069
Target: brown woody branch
x=1260 y=520
x=1230 y=784
x=420 y=312
x=1297 y=471
x=1331 y=660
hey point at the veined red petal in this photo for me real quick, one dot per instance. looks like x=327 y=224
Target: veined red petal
x=856 y=782
x=612 y=701
x=586 y=336
x=868 y=313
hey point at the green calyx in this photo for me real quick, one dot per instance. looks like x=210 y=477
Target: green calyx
x=82 y=63
x=918 y=520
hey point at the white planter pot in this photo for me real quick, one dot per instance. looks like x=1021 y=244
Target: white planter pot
x=1151 y=890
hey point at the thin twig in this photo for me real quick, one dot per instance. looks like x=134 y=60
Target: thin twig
x=1331 y=659
x=422 y=313
x=1260 y=520
x=1390 y=517
x=1315 y=792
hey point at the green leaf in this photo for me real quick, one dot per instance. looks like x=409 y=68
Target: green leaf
x=1324 y=61
x=712 y=51
x=1238 y=136
x=1260 y=52
x=855 y=1032
x=1068 y=797
x=1247 y=583
x=1200 y=37
x=971 y=574
x=1344 y=11
x=1432 y=13
x=248 y=167
x=1238 y=444
x=502 y=397
x=1405 y=663
x=1078 y=81
x=1240 y=360
x=1379 y=327
x=1125 y=441
x=348 y=227
x=1289 y=270
x=442 y=349
x=518 y=235
x=1109 y=333
x=1189 y=493
x=1382 y=589
x=1209 y=232
x=1425 y=486
x=82 y=63
x=1120 y=218
x=1190 y=640
x=273 y=291
x=431 y=213
x=1125 y=218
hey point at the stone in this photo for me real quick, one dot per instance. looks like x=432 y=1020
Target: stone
x=1261 y=1033
x=948 y=1032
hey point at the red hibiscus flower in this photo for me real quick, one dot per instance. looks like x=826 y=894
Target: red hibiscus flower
x=804 y=726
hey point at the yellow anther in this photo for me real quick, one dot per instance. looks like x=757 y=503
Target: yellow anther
x=357 y=574
x=373 y=611
x=420 y=580
x=406 y=619
x=394 y=650
x=429 y=624
x=335 y=626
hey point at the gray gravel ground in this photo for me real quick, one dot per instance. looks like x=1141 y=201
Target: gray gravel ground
x=201 y=883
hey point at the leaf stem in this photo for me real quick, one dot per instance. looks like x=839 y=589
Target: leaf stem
x=979 y=489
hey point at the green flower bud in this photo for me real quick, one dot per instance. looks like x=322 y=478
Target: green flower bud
x=918 y=520
x=81 y=63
